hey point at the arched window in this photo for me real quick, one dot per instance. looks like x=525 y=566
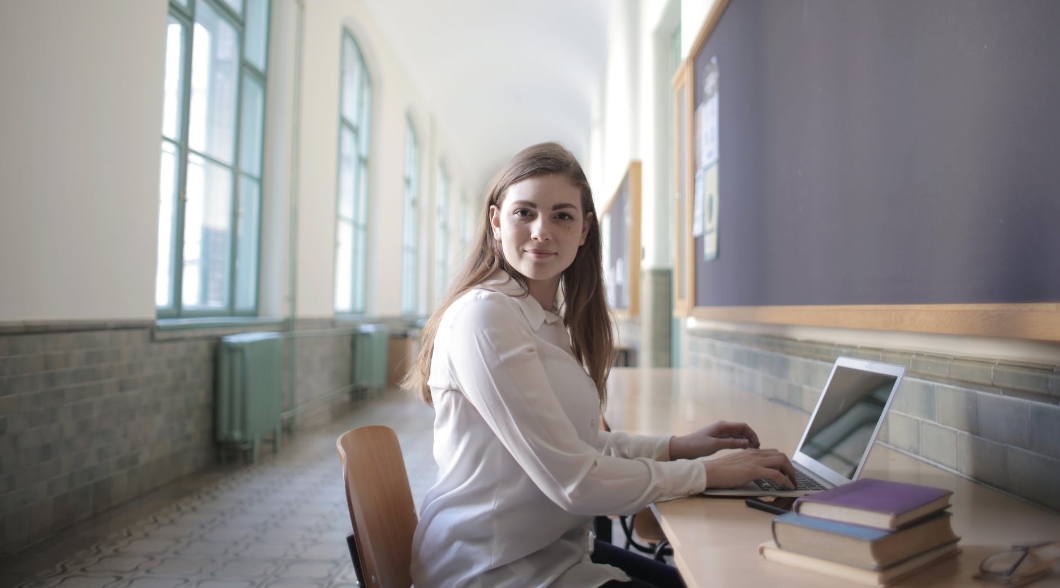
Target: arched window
x=410 y=237
x=351 y=231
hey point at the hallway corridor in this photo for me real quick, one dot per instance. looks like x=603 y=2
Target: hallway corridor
x=279 y=523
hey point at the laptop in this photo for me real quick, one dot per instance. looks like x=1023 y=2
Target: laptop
x=839 y=435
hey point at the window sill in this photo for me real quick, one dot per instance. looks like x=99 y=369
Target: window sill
x=191 y=328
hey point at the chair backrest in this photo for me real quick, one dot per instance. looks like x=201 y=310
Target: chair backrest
x=381 y=507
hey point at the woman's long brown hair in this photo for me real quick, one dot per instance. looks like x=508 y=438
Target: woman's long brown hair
x=586 y=315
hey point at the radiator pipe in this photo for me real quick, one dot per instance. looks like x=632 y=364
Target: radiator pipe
x=292 y=243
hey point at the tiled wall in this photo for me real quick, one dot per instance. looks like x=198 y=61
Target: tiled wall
x=93 y=415
x=994 y=422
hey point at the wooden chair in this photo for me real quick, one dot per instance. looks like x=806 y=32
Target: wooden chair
x=381 y=508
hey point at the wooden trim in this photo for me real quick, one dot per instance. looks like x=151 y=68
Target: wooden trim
x=634 y=237
x=680 y=83
x=708 y=27
x=1019 y=321
x=632 y=177
x=690 y=188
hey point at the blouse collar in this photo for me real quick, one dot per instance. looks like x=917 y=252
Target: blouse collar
x=502 y=282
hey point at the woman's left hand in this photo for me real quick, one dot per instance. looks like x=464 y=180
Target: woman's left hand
x=713 y=438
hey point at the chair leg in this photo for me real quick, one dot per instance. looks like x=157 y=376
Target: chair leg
x=602 y=527
x=627 y=528
x=351 y=543
x=662 y=550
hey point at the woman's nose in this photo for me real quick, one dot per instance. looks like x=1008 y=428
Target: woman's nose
x=540 y=230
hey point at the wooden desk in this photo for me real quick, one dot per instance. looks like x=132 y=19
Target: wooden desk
x=716 y=540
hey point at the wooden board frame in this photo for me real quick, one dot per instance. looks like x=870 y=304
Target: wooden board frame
x=632 y=177
x=1037 y=321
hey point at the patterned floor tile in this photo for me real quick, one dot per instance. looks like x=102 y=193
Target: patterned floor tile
x=281 y=523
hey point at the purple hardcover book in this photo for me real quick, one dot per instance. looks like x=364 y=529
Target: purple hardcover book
x=881 y=504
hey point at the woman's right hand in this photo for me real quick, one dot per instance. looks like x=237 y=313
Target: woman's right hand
x=738 y=468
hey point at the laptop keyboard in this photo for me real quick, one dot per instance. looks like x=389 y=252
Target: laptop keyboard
x=802 y=482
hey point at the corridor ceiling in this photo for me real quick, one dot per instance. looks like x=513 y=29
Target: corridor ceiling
x=500 y=75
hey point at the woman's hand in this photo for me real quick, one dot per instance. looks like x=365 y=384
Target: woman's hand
x=737 y=469
x=713 y=438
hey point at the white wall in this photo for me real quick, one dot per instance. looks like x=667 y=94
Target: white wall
x=80 y=133
x=395 y=97
x=80 y=138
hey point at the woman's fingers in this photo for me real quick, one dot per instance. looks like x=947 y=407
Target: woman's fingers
x=777 y=467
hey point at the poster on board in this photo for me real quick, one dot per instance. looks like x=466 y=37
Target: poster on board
x=705 y=203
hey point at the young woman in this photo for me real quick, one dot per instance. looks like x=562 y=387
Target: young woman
x=518 y=382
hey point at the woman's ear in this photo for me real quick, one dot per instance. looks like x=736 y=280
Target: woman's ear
x=495 y=221
x=586 y=225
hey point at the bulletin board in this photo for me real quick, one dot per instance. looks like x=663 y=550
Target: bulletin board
x=875 y=165
x=620 y=220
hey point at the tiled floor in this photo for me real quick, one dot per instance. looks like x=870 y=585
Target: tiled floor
x=280 y=523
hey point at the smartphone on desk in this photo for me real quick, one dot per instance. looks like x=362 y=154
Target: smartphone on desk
x=776 y=505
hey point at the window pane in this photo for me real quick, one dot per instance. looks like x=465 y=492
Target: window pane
x=248 y=218
x=351 y=79
x=347 y=170
x=174 y=81
x=257 y=33
x=182 y=2
x=362 y=193
x=253 y=116
x=364 y=123
x=360 y=239
x=214 y=81
x=167 y=202
x=207 y=234
x=236 y=5
x=343 y=266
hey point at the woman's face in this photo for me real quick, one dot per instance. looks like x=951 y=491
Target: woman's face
x=540 y=226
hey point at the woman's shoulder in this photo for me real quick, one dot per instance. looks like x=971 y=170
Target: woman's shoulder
x=481 y=307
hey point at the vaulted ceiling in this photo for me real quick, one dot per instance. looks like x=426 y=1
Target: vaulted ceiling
x=500 y=75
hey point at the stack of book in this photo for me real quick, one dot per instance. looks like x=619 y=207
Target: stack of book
x=869 y=531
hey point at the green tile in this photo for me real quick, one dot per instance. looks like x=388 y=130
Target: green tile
x=1021 y=378
x=957 y=408
x=916 y=398
x=934 y=365
x=903 y=432
x=971 y=371
x=939 y=444
x=1034 y=477
x=982 y=459
x=1044 y=429
x=1004 y=419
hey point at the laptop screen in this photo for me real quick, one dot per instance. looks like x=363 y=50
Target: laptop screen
x=844 y=424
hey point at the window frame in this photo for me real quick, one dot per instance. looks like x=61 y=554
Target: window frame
x=442 y=237
x=410 y=229
x=185 y=13
x=359 y=226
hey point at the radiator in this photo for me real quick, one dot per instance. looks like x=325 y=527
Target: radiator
x=249 y=390
x=369 y=357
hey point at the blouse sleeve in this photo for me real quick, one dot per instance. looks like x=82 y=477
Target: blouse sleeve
x=494 y=362
x=619 y=444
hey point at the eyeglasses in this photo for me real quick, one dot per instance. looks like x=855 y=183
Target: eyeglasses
x=1021 y=565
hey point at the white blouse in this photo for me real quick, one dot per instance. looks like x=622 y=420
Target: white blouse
x=522 y=464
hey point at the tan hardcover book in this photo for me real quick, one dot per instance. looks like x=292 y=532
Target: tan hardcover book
x=881 y=577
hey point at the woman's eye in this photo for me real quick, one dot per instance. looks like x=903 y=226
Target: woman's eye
x=564 y=216
x=521 y=212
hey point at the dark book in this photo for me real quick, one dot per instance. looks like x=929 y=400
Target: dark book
x=859 y=546
x=880 y=504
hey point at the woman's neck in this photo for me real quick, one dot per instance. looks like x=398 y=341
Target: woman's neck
x=544 y=292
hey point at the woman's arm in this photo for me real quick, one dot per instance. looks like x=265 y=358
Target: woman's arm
x=494 y=361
